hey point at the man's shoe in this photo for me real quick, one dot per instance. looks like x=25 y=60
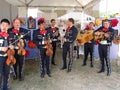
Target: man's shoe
x=69 y=70
x=91 y=65
x=21 y=79
x=63 y=68
x=101 y=71
x=49 y=75
x=14 y=77
x=54 y=63
x=84 y=64
x=78 y=57
x=42 y=76
x=108 y=73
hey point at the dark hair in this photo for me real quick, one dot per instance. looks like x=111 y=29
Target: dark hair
x=52 y=20
x=106 y=20
x=5 y=20
x=71 y=20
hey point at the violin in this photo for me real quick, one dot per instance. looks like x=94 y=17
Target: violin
x=21 y=50
x=49 y=51
x=11 y=59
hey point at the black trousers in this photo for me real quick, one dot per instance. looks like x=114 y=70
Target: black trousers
x=88 y=49
x=19 y=63
x=67 y=48
x=44 y=59
x=104 y=52
x=54 y=51
x=77 y=49
x=4 y=73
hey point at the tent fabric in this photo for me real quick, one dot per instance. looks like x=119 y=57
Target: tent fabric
x=54 y=3
x=76 y=16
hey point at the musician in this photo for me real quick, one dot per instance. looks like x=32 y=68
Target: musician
x=69 y=38
x=89 y=46
x=104 y=46
x=40 y=36
x=4 y=68
x=17 y=32
x=55 y=34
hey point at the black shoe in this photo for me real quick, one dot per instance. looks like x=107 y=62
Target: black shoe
x=78 y=57
x=54 y=63
x=91 y=65
x=108 y=73
x=84 y=64
x=21 y=79
x=101 y=71
x=14 y=77
x=69 y=70
x=42 y=76
x=49 y=75
x=63 y=68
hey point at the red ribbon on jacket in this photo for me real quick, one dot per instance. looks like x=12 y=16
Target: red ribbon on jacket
x=68 y=28
x=43 y=32
x=15 y=31
x=4 y=34
x=105 y=29
x=53 y=29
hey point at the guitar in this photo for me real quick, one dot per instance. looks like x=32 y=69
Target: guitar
x=85 y=36
x=99 y=35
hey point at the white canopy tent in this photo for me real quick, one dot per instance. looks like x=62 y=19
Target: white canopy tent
x=55 y=4
x=76 y=16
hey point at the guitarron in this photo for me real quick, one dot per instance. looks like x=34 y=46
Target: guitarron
x=85 y=36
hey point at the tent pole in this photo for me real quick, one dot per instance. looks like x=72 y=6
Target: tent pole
x=10 y=12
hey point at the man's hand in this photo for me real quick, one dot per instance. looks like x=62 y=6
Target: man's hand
x=11 y=47
x=4 y=49
x=97 y=33
x=64 y=40
x=107 y=35
x=21 y=40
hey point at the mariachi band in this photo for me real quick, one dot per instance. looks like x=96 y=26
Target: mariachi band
x=13 y=42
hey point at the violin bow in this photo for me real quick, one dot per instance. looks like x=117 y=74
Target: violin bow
x=21 y=36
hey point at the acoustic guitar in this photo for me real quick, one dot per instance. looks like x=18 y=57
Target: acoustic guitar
x=101 y=35
x=85 y=36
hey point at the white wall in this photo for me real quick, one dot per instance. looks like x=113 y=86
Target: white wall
x=7 y=11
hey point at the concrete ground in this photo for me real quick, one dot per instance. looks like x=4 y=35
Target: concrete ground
x=80 y=78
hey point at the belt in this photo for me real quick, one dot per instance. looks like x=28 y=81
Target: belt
x=16 y=47
x=54 y=40
x=104 y=42
x=43 y=47
x=4 y=55
x=89 y=42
